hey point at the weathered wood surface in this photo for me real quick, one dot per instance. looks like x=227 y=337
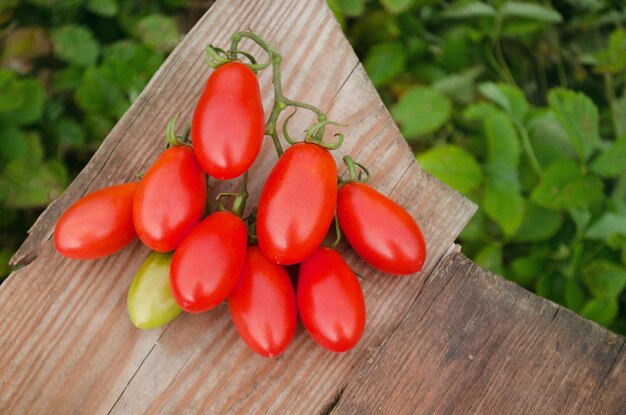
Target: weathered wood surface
x=67 y=345
x=475 y=343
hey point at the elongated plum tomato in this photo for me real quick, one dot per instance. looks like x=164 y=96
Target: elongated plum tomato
x=380 y=230
x=228 y=124
x=297 y=204
x=170 y=199
x=97 y=225
x=263 y=305
x=150 y=302
x=330 y=301
x=208 y=263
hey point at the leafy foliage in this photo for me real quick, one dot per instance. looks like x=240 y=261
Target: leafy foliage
x=69 y=69
x=521 y=106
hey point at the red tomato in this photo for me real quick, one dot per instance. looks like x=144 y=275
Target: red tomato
x=263 y=305
x=98 y=224
x=330 y=301
x=228 y=123
x=380 y=230
x=297 y=204
x=170 y=199
x=208 y=263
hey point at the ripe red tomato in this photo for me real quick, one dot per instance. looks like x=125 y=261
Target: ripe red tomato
x=297 y=204
x=228 y=123
x=208 y=263
x=263 y=305
x=170 y=199
x=330 y=301
x=98 y=224
x=380 y=230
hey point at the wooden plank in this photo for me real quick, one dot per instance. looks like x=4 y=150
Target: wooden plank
x=67 y=345
x=476 y=343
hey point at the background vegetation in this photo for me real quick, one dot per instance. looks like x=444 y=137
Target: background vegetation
x=518 y=105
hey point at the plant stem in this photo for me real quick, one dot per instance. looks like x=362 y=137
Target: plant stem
x=529 y=148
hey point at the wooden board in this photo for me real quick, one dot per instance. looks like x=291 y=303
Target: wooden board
x=67 y=343
x=475 y=343
x=68 y=347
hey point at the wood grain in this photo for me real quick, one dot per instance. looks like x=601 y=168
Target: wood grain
x=67 y=345
x=475 y=343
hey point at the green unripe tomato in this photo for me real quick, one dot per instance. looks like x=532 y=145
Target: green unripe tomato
x=150 y=300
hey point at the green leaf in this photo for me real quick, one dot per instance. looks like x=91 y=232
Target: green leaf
x=351 y=7
x=526 y=269
x=552 y=287
x=67 y=79
x=605 y=279
x=98 y=94
x=453 y=165
x=159 y=32
x=396 y=6
x=575 y=296
x=479 y=111
x=548 y=138
x=509 y=98
x=563 y=186
x=490 y=257
x=539 y=224
x=104 y=8
x=459 y=87
x=69 y=132
x=612 y=161
x=612 y=59
x=75 y=44
x=20 y=145
x=530 y=11
x=475 y=230
x=504 y=205
x=608 y=224
x=25 y=185
x=11 y=96
x=503 y=150
x=578 y=115
x=601 y=310
x=469 y=10
x=421 y=110
x=384 y=62
x=619 y=117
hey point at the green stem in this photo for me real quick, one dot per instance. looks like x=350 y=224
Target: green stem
x=338 y=233
x=499 y=54
x=239 y=204
x=529 y=148
x=281 y=102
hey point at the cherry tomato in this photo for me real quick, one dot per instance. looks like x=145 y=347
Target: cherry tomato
x=380 y=230
x=297 y=204
x=208 y=263
x=150 y=302
x=263 y=305
x=170 y=199
x=330 y=301
x=228 y=125
x=97 y=225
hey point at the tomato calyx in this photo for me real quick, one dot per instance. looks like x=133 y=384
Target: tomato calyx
x=314 y=135
x=172 y=138
x=360 y=176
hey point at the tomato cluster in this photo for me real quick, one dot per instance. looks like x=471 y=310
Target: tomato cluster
x=200 y=261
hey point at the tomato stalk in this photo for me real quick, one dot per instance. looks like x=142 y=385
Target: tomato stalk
x=241 y=197
x=352 y=171
x=281 y=102
x=172 y=138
